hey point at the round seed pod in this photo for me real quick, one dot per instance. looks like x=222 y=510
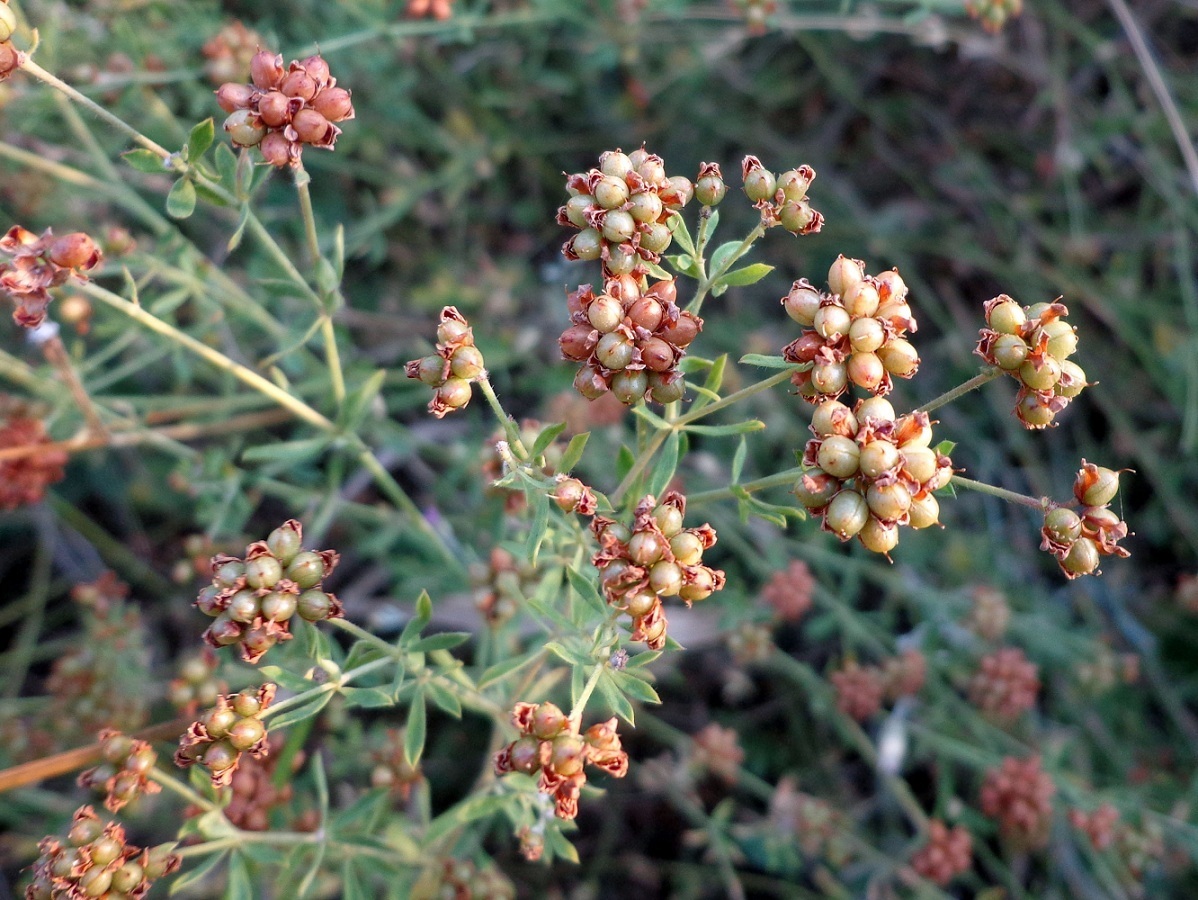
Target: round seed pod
x=1064 y=525
x=220 y=756
x=307 y=569
x=839 y=456
x=833 y=417
x=1099 y=491
x=334 y=104
x=879 y=536
x=878 y=457
x=589 y=383
x=1006 y=317
x=1083 y=557
x=629 y=386
x=275 y=149
x=656 y=237
x=645 y=206
x=577 y=342
x=830 y=378
x=700 y=587
x=760 y=184
x=525 y=755
x=284 y=544
x=298 y=83
x=794 y=184
x=615 y=163
x=1009 y=351
x=274 y=109
x=682 y=332
x=844 y=274
x=710 y=190
x=1062 y=339
x=263 y=571
x=687 y=549
x=875 y=408
x=245 y=733
x=466 y=363
x=657 y=355
x=832 y=322
x=888 y=502
x=640 y=602
x=866 y=370
x=577 y=208
x=587 y=244
x=924 y=511
x=815 y=488
x=243 y=607
x=454 y=393
x=244 y=129
x=899 y=357
x=230 y=97
x=278 y=607
x=861 y=299
x=618 y=226
x=847 y=514
x=614 y=350
x=646 y=548
x=605 y=313
x=665 y=578
x=314 y=606
x=611 y=192
x=802 y=303
x=666 y=387
x=668 y=518
x=866 y=335
x=646 y=312
x=919 y=463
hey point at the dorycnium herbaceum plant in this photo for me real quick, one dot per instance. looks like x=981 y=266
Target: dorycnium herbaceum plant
x=461 y=449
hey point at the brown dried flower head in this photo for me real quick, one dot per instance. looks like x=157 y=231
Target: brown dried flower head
x=284 y=109
x=790 y=591
x=858 y=689
x=781 y=199
x=550 y=744
x=1005 y=685
x=947 y=854
x=37 y=264
x=218 y=738
x=453 y=368
x=25 y=477
x=124 y=774
x=1019 y=795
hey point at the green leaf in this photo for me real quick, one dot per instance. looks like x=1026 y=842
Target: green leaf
x=467 y=811
x=368 y=697
x=547 y=436
x=321 y=782
x=573 y=452
x=446 y=640
x=358 y=401
x=642 y=659
x=738 y=460
x=539 y=528
x=243 y=174
x=339 y=251
x=684 y=264
x=238 y=886
x=713 y=222
x=715 y=376
x=945 y=447
x=681 y=234
x=413 y=740
x=145 y=161
x=746 y=427
x=561 y=846
x=424 y=607
x=301 y=712
x=200 y=139
x=416 y=624
x=288 y=452
x=352 y=887
x=719 y=289
x=624 y=462
x=723 y=254
x=635 y=688
x=364 y=814
x=184 y=880
x=615 y=699
x=181 y=201
x=666 y=465
x=239 y=232
x=444 y=698
x=747 y=275
x=226 y=165
x=502 y=670
x=585 y=588
x=656 y=271
x=326 y=277
x=767 y=362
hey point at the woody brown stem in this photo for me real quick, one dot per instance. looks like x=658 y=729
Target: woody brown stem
x=56 y=354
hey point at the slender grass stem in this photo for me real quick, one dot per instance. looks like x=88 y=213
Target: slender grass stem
x=1039 y=503
x=986 y=375
x=589 y=688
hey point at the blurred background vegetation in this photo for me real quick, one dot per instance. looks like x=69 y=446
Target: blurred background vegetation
x=1036 y=161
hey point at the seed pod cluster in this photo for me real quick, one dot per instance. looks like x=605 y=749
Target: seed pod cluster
x=501 y=585
x=858 y=690
x=391 y=767
x=630 y=339
x=781 y=199
x=622 y=210
x=461 y=879
x=285 y=108
x=790 y=591
x=252 y=790
x=24 y=479
x=1098 y=824
x=1080 y=538
x=97 y=860
x=229 y=52
x=1005 y=685
x=197 y=684
x=550 y=744
x=947 y=853
x=40 y=263
x=868 y=472
x=252 y=600
x=655 y=558
x=1033 y=344
x=222 y=734
x=990 y=614
x=124 y=774
x=451 y=370
x=855 y=333
x=1019 y=795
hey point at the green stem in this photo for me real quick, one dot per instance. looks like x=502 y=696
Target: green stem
x=175 y=786
x=779 y=479
x=58 y=84
x=506 y=421
x=588 y=689
x=1038 y=503
x=346 y=678
x=986 y=375
x=706 y=284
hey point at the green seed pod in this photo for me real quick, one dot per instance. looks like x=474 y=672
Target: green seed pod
x=1033 y=413
x=687 y=549
x=619 y=532
x=116 y=748
x=454 y=393
x=832 y=322
x=263 y=572
x=227 y=573
x=605 y=313
x=1064 y=525
x=924 y=511
x=866 y=335
x=577 y=208
x=794 y=184
x=246 y=733
x=95 y=882
x=246 y=703
x=645 y=206
x=587 y=244
x=218 y=721
x=760 y=184
x=879 y=536
x=8 y=22
x=665 y=578
x=1062 y=339
x=899 y=357
x=128 y=877
x=710 y=190
x=668 y=518
x=525 y=755
x=846 y=515
x=1099 y=488
x=795 y=216
x=889 y=502
x=830 y=378
x=657 y=237
x=1040 y=377
x=1006 y=317
x=206 y=601
x=1083 y=557
x=243 y=606
x=432 y=370
x=833 y=417
x=466 y=363
x=104 y=850
x=666 y=387
x=839 y=456
x=307 y=569
x=278 y=607
x=1073 y=380
x=816 y=488
x=615 y=163
x=314 y=606
x=878 y=457
x=84 y=831
x=567 y=756
x=220 y=756
x=285 y=542
x=1009 y=351
x=844 y=274
x=611 y=192
x=614 y=350
x=919 y=463
x=646 y=547
x=548 y=721
x=244 y=128
x=640 y=602
x=700 y=586
x=618 y=226
x=629 y=387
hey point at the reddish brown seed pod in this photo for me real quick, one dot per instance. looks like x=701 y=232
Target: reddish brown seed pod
x=74 y=251
x=313 y=128
x=266 y=70
x=275 y=109
x=334 y=104
x=231 y=97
